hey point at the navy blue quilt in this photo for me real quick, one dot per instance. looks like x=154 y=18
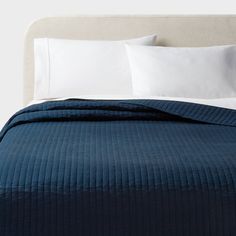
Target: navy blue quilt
x=118 y=168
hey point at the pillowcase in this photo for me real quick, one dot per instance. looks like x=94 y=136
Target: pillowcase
x=207 y=72
x=69 y=68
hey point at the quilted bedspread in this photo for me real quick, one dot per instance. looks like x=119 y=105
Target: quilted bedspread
x=118 y=168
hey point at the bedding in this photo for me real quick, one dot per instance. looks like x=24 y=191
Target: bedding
x=229 y=103
x=63 y=67
x=125 y=167
x=197 y=72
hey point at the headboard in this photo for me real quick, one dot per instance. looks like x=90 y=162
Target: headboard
x=172 y=31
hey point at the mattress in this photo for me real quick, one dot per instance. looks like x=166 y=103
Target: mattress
x=120 y=167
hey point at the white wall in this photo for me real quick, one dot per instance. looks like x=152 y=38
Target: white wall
x=15 y=16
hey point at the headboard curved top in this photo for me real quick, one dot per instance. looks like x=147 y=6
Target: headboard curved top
x=172 y=31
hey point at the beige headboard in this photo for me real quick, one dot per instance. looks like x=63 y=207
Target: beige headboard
x=172 y=31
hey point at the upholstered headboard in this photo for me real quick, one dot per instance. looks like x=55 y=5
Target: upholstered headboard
x=172 y=31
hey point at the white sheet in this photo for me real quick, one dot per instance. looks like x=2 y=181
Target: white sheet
x=229 y=103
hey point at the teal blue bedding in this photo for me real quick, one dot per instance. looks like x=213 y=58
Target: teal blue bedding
x=112 y=168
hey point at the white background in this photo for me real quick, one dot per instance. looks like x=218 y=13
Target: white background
x=16 y=15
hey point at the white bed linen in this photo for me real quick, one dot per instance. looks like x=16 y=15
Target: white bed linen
x=191 y=72
x=229 y=103
x=65 y=67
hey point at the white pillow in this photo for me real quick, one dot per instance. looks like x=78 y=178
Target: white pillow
x=68 y=68
x=207 y=72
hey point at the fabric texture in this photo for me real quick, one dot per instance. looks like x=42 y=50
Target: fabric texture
x=130 y=168
x=192 y=72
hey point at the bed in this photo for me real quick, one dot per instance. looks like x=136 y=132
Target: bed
x=120 y=167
